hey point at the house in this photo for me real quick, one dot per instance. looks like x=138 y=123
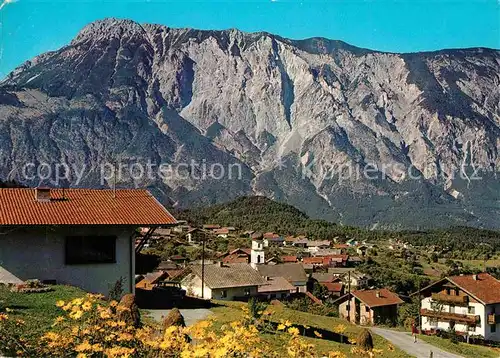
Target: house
x=342 y=247
x=369 y=307
x=354 y=261
x=335 y=289
x=356 y=279
x=222 y=233
x=211 y=227
x=293 y=272
x=248 y=233
x=78 y=237
x=237 y=256
x=286 y=259
x=340 y=271
x=274 y=242
x=276 y=288
x=150 y=280
x=222 y=281
x=272 y=239
x=469 y=304
x=315 y=261
x=315 y=246
x=327 y=252
x=301 y=242
x=351 y=242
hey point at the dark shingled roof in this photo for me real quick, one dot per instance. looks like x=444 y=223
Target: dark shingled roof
x=229 y=275
x=291 y=271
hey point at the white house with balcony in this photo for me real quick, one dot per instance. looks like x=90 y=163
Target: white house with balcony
x=469 y=305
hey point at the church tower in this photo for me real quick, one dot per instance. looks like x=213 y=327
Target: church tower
x=257 y=254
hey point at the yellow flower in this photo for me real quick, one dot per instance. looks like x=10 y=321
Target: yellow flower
x=82 y=347
x=281 y=327
x=3 y=317
x=77 y=302
x=105 y=315
x=76 y=314
x=317 y=334
x=336 y=355
x=113 y=303
x=293 y=331
x=60 y=303
x=390 y=348
x=81 y=355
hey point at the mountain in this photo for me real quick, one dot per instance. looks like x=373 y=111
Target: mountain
x=350 y=135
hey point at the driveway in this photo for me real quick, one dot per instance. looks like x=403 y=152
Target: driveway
x=404 y=341
x=191 y=316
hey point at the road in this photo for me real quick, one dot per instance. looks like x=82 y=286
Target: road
x=404 y=341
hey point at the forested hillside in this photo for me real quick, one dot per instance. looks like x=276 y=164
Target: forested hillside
x=262 y=214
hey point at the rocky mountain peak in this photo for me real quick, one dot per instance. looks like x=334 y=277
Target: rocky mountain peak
x=303 y=118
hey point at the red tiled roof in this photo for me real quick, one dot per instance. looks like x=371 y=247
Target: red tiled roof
x=341 y=246
x=313 y=260
x=333 y=286
x=289 y=258
x=486 y=288
x=82 y=207
x=369 y=297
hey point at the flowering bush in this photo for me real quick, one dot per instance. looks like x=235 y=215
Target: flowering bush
x=88 y=327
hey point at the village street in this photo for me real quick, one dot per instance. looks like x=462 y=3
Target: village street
x=404 y=341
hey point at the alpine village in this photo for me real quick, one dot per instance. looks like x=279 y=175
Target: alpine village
x=329 y=290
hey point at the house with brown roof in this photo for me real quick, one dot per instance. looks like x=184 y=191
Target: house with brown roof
x=276 y=288
x=286 y=259
x=370 y=307
x=235 y=256
x=293 y=272
x=150 y=280
x=469 y=304
x=79 y=237
x=222 y=281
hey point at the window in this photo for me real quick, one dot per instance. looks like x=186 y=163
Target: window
x=457 y=292
x=448 y=291
x=493 y=328
x=223 y=294
x=90 y=250
x=472 y=327
x=247 y=291
x=471 y=310
x=452 y=309
x=258 y=259
x=367 y=309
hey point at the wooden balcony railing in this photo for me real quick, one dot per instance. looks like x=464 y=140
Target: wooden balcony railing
x=449 y=317
x=455 y=300
x=493 y=318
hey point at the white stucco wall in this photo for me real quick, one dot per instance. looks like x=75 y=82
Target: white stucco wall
x=39 y=253
x=192 y=285
x=427 y=323
x=489 y=335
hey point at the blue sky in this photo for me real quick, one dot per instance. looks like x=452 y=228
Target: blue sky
x=30 y=27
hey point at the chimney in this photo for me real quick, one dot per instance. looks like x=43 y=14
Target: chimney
x=475 y=278
x=378 y=294
x=42 y=194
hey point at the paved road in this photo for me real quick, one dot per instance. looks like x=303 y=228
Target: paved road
x=191 y=316
x=404 y=341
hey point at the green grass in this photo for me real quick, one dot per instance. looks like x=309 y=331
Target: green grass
x=230 y=311
x=37 y=310
x=463 y=349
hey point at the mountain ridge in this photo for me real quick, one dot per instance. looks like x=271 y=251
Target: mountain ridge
x=301 y=118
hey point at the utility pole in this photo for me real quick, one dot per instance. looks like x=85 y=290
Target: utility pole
x=349 y=295
x=203 y=269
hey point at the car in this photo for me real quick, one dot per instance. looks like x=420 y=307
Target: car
x=172 y=289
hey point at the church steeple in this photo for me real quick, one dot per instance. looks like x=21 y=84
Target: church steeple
x=257 y=254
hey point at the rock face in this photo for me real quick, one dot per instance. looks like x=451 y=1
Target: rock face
x=346 y=134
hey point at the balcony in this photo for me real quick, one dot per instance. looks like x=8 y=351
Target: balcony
x=448 y=299
x=450 y=317
x=493 y=318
